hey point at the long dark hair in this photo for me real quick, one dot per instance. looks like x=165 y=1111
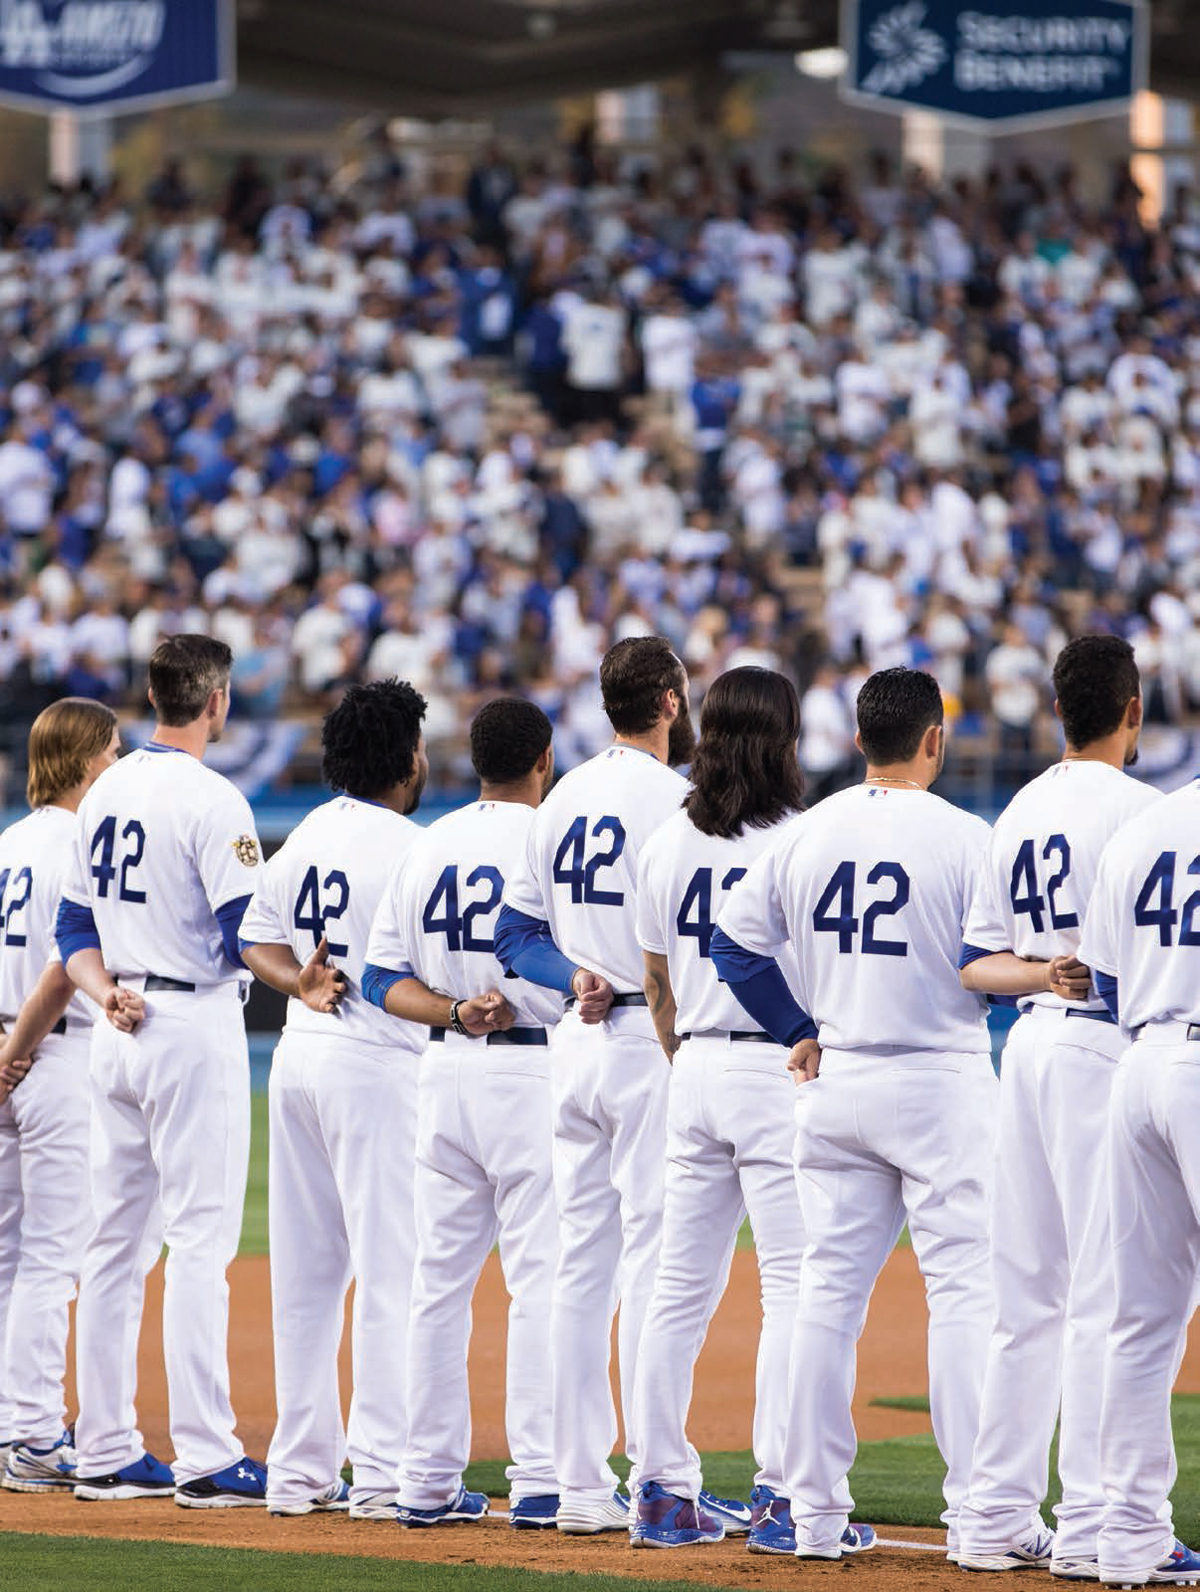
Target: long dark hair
x=745 y=769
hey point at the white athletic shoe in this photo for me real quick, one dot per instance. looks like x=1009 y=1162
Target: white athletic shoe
x=335 y=1496
x=580 y=1517
x=1032 y=1552
x=374 y=1506
x=36 y=1470
x=1075 y=1569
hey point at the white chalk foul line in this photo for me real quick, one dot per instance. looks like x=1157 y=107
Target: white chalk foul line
x=918 y=1547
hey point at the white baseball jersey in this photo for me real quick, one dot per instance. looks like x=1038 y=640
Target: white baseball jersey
x=871 y=888
x=327 y=879
x=34 y=856
x=441 y=906
x=162 y=844
x=1042 y=860
x=579 y=872
x=1143 y=922
x=683 y=878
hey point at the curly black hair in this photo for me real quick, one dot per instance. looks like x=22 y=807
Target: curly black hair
x=508 y=736
x=1095 y=680
x=369 y=741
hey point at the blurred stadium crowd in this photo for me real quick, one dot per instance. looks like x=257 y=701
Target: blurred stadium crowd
x=472 y=431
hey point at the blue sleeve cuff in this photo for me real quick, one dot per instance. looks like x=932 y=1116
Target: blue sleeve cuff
x=972 y=953
x=526 y=947
x=229 y=921
x=75 y=930
x=760 y=987
x=1106 y=988
x=376 y=981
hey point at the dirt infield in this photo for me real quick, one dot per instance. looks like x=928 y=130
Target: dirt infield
x=891 y=1363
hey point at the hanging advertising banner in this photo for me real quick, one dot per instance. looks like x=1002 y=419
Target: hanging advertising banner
x=1003 y=65
x=107 y=57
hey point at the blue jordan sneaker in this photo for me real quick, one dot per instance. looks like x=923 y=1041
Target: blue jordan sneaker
x=771 y=1528
x=463 y=1506
x=242 y=1485
x=1181 y=1567
x=538 y=1513
x=144 y=1478
x=732 y=1513
x=664 y=1520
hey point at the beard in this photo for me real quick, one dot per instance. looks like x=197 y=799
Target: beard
x=681 y=742
x=1132 y=756
x=414 y=795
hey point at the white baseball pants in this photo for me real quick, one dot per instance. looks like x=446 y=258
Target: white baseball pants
x=729 y=1152
x=44 y=1224
x=170 y=1122
x=1154 y=1181
x=483 y=1173
x=340 y=1185
x=1053 y=1277
x=610 y=1083
x=879 y=1138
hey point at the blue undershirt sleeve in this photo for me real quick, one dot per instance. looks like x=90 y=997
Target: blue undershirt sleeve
x=229 y=921
x=1106 y=988
x=526 y=947
x=971 y=953
x=74 y=930
x=376 y=981
x=761 y=988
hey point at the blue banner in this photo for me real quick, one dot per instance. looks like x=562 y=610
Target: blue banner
x=101 y=57
x=1003 y=64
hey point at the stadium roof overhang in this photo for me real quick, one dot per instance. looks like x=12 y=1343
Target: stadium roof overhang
x=433 y=58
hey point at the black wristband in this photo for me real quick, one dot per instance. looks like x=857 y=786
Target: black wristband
x=456 y=1021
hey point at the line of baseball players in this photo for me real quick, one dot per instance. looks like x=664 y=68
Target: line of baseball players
x=573 y=1011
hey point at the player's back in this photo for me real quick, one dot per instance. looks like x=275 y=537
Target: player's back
x=580 y=871
x=326 y=880
x=684 y=876
x=1042 y=860
x=451 y=886
x=1145 y=911
x=874 y=885
x=35 y=853
x=163 y=843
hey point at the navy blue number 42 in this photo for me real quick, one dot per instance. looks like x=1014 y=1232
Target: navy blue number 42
x=572 y=865
x=694 y=920
x=844 y=923
x=321 y=902
x=1163 y=916
x=105 y=870
x=459 y=927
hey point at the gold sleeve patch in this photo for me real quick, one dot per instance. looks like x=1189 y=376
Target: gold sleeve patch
x=246 y=850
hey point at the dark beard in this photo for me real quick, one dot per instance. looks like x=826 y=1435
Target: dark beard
x=681 y=742
x=414 y=797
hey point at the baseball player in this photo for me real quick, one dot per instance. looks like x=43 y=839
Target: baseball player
x=1051 y=1248
x=162 y=869
x=894 y=1114
x=484 y=1126
x=1141 y=938
x=43 y=1121
x=729 y=1134
x=342 y=1116
x=569 y=922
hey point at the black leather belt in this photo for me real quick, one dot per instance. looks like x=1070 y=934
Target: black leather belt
x=739 y=1036
x=621 y=998
x=1192 y=1034
x=155 y=981
x=1095 y=1017
x=60 y=1026
x=503 y=1036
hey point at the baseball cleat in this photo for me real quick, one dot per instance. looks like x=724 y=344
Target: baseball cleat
x=580 y=1517
x=1181 y=1567
x=1033 y=1552
x=144 y=1478
x=537 y=1513
x=664 y=1520
x=855 y=1539
x=771 y=1528
x=464 y=1506
x=374 y=1506
x=34 y=1470
x=732 y=1513
x=335 y=1496
x=1075 y=1569
x=241 y=1485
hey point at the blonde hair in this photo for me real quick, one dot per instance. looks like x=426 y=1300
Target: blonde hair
x=64 y=739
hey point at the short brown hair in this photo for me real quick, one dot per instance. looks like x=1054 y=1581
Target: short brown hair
x=633 y=676
x=184 y=672
x=64 y=739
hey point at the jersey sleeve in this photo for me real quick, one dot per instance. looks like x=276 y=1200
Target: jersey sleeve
x=650 y=934
x=76 y=879
x=386 y=944
x=986 y=926
x=227 y=854
x=1098 y=941
x=753 y=915
x=523 y=889
x=264 y=922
